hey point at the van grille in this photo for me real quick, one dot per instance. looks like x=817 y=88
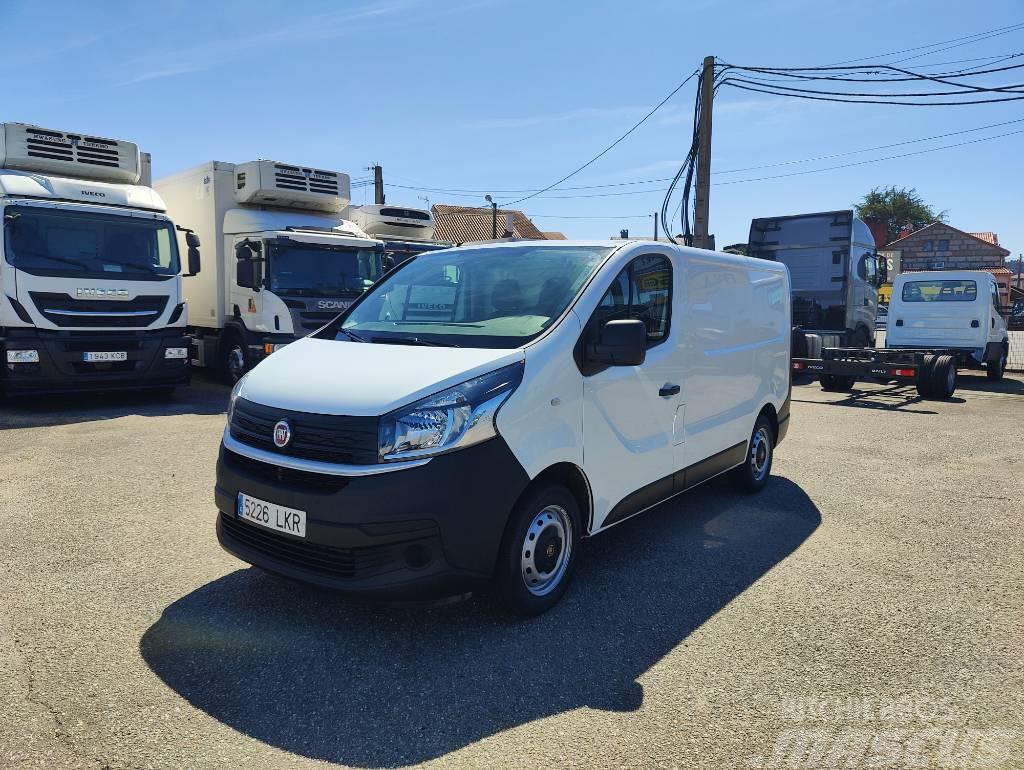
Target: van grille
x=321 y=437
x=54 y=145
x=305 y=179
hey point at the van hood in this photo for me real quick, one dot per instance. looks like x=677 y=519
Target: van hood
x=361 y=378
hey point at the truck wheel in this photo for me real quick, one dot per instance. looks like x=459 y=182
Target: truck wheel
x=994 y=369
x=924 y=376
x=861 y=338
x=754 y=473
x=538 y=551
x=944 y=377
x=234 y=358
x=835 y=383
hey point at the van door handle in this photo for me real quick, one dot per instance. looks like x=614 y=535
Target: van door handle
x=668 y=390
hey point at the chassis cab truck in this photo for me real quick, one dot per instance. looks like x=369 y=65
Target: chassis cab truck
x=835 y=272
x=282 y=259
x=480 y=411
x=90 y=276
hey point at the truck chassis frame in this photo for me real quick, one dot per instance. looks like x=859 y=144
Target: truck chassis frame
x=843 y=366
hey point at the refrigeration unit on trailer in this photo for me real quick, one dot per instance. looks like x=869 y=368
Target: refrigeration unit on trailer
x=282 y=259
x=481 y=409
x=834 y=268
x=90 y=275
x=406 y=232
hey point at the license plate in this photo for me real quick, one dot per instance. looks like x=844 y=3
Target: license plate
x=105 y=355
x=271 y=515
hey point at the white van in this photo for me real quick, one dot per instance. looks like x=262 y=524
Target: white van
x=481 y=409
x=954 y=310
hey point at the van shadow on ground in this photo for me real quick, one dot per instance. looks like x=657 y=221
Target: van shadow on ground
x=326 y=677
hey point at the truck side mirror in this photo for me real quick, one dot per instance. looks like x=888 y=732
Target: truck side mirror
x=883 y=270
x=193 y=260
x=191 y=240
x=621 y=342
x=243 y=251
x=245 y=274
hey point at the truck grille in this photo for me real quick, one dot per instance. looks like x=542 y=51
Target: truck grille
x=68 y=312
x=321 y=437
x=329 y=561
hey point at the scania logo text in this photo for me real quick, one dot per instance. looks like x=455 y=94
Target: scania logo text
x=282 y=434
x=333 y=304
x=102 y=293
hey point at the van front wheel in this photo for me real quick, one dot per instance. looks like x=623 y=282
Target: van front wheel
x=538 y=551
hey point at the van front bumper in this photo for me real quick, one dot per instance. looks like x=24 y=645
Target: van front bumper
x=61 y=366
x=431 y=530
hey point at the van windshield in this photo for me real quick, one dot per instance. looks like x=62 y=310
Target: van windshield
x=940 y=291
x=486 y=297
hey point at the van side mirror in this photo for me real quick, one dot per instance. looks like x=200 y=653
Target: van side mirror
x=620 y=342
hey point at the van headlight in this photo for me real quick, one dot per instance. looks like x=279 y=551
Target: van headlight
x=452 y=419
x=234 y=397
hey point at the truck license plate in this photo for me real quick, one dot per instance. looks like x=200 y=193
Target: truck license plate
x=105 y=355
x=271 y=515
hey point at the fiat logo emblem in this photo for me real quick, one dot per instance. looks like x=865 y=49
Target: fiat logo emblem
x=282 y=434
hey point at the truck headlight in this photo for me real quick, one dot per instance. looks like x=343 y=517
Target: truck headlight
x=452 y=419
x=175 y=352
x=23 y=356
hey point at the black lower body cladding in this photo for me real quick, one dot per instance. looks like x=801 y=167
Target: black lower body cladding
x=429 y=530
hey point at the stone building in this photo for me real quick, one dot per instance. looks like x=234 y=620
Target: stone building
x=939 y=246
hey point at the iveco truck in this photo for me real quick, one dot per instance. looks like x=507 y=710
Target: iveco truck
x=282 y=260
x=834 y=269
x=90 y=271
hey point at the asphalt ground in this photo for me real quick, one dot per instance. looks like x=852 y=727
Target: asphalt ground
x=866 y=607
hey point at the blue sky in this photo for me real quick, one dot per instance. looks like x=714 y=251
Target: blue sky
x=495 y=95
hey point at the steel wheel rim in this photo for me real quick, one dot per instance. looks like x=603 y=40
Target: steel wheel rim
x=236 y=363
x=760 y=453
x=546 y=550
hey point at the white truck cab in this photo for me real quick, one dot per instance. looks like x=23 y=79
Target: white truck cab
x=480 y=410
x=90 y=274
x=955 y=310
x=282 y=259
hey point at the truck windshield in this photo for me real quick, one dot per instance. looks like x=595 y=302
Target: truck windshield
x=482 y=297
x=59 y=242
x=322 y=271
x=940 y=291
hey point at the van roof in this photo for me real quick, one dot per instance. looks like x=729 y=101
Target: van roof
x=939 y=275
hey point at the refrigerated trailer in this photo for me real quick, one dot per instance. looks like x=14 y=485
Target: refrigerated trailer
x=90 y=270
x=281 y=258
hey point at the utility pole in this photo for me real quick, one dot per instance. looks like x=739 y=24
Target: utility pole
x=378 y=184
x=494 y=217
x=655 y=225
x=702 y=202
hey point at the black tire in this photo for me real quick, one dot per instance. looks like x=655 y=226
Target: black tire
x=835 y=383
x=924 y=376
x=540 y=518
x=944 y=377
x=994 y=369
x=752 y=476
x=234 y=357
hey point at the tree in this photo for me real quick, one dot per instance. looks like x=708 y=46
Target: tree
x=898 y=208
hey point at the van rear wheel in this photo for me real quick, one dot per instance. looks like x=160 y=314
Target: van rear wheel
x=538 y=551
x=757 y=467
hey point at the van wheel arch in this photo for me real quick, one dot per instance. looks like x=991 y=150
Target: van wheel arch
x=773 y=417
x=572 y=478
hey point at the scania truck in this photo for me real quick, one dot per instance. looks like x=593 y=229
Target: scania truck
x=282 y=260
x=90 y=273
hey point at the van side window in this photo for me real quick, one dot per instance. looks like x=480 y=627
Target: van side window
x=643 y=289
x=995 y=297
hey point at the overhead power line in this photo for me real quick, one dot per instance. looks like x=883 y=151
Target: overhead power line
x=968 y=38
x=635 y=126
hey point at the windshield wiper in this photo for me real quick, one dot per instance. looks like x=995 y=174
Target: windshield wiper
x=410 y=341
x=353 y=336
